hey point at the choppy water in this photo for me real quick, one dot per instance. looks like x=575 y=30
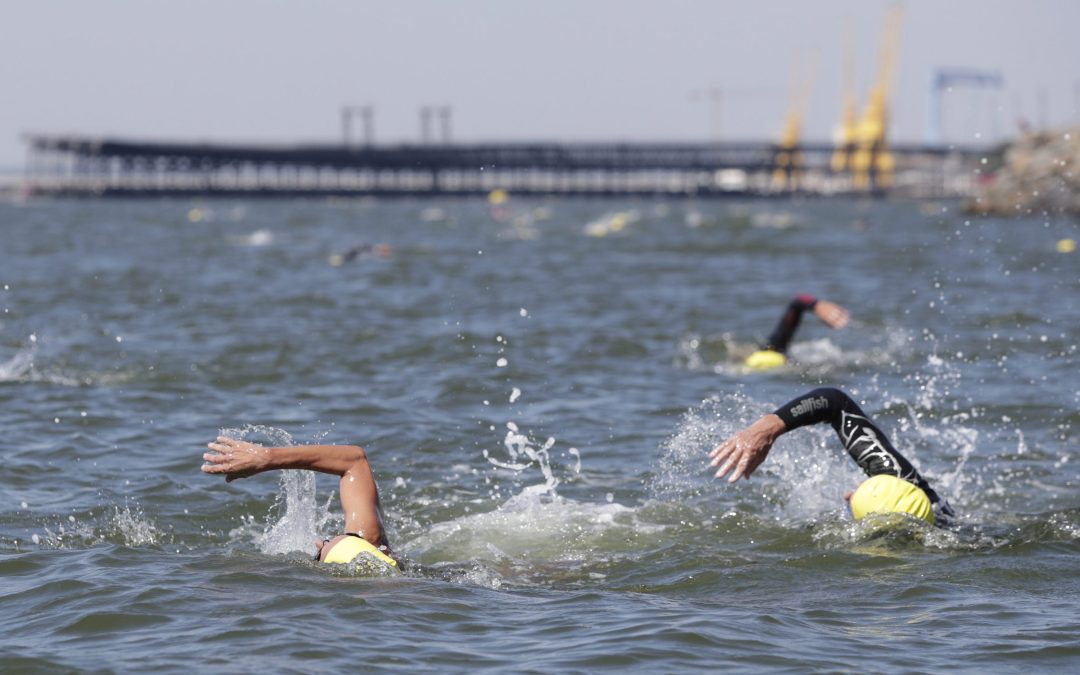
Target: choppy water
x=590 y=346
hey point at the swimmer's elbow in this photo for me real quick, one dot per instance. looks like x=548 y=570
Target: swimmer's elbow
x=355 y=454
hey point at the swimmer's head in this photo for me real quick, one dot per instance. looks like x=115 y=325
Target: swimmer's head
x=764 y=359
x=346 y=548
x=888 y=494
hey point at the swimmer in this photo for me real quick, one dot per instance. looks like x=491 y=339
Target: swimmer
x=363 y=250
x=894 y=485
x=774 y=353
x=364 y=533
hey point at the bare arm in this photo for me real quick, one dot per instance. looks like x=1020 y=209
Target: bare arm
x=831 y=314
x=359 y=494
x=747 y=449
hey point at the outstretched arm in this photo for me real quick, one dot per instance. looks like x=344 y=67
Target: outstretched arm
x=830 y=313
x=863 y=440
x=359 y=494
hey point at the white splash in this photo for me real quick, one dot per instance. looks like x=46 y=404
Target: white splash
x=257 y=238
x=133 y=527
x=18 y=367
x=533 y=528
x=296 y=517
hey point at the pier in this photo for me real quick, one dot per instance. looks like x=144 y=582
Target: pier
x=66 y=165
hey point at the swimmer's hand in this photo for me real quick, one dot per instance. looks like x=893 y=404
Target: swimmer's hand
x=747 y=449
x=831 y=314
x=235 y=459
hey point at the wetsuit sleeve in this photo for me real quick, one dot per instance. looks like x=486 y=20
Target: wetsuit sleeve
x=785 y=330
x=863 y=440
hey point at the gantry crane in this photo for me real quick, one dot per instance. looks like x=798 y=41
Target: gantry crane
x=872 y=164
x=845 y=135
x=787 y=159
x=944 y=79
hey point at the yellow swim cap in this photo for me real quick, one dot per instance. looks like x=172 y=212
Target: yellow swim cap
x=765 y=359
x=888 y=494
x=351 y=547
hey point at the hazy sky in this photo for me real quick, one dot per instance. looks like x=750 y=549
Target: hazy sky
x=259 y=70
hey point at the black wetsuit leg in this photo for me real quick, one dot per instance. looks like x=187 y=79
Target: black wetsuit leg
x=864 y=441
x=785 y=330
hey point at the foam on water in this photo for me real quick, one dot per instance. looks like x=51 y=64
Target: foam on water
x=533 y=533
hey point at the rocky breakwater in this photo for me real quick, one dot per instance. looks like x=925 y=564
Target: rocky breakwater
x=1039 y=173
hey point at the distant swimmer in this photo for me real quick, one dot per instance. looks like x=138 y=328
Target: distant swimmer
x=894 y=485
x=364 y=533
x=363 y=250
x=774 y=353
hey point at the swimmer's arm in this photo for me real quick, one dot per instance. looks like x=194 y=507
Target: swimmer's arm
x=240 y=459
x=359 y=494
x=831 y=314
x=823 y=404
x=747 y=449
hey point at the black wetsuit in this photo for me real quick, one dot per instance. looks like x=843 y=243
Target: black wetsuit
x=785 y=330
x=864 y=441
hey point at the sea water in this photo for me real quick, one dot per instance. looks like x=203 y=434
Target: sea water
x=537 y=390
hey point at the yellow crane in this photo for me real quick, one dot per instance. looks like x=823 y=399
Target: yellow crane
x=845 y=135
x=788 y=160
x=872 y=164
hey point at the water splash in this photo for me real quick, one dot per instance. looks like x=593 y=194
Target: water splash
x=19 y=367
x=257 y=238
x=726 y=354
x=523 y=453
x=532 y=535
x=296 y=516
x=682 y=470
x=125 y=524
x=132 y=526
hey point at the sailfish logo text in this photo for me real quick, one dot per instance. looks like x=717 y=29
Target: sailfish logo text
x=810 y=405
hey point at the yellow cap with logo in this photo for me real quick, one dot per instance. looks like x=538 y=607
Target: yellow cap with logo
x=888 y=494
x=351 y=547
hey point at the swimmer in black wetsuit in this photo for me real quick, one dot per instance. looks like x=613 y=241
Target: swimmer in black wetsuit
x=773 y=354
x=865 y=442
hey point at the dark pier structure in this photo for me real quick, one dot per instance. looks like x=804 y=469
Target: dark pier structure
x=60 y=165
